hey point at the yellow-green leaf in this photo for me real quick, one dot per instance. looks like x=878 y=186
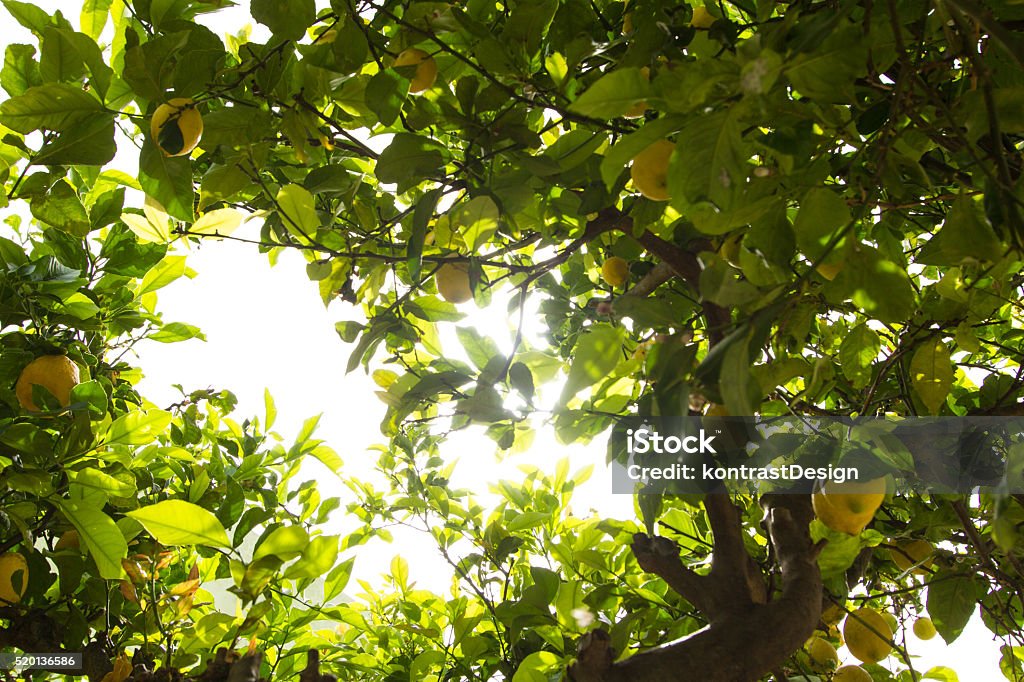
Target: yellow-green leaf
x=931 y=374
x=177 y=522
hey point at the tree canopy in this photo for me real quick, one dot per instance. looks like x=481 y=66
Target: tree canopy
x=818 y=206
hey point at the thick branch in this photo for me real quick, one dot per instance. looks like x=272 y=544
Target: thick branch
x=660 y=556
x=745 y=645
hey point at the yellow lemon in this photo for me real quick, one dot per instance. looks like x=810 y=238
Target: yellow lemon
x=924 y=628
x=867 y=635
x=176 y=126
x=851 y=673
x=426 y=68
x=849 y=506
x=702 y=18
x=822 y=654
x=911 y=553
x=452 y=281
x=615 y=271
x=13 y=578
x=58 y=374
x=650 y=170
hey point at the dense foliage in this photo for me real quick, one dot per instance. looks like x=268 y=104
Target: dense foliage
x=840 y=235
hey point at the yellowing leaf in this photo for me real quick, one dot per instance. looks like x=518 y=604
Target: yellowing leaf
x=221 y=222
x=145 y=229
x=931 y=374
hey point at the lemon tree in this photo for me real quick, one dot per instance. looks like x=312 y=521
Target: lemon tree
x=820 y=208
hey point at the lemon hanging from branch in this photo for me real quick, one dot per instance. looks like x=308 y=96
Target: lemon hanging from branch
x=58 y=374
x=13 y=578
x=176 y=126
x=426 y=69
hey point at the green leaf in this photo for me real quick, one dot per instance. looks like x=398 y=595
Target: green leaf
x=92 y=396
x=480 y=349
x=597 y=353
x=102 y=538
x=337 y=579
x=942 y=673
x=94 y=17
x=740 y=390
x=857 y=353
x=965 y=237
x=98 y=480
x=521 y=378
x=931 y=374
x=830 y=71
x=952 y=599
x=90 y=143
x=168 y=180
x=822 y=212
x=177 y=522
x=317 y=558
x=710 y=159
x=410 y=157
x=879 y=287
x=28 y=15
x=61 y=208
x=421 y=218
x=56 y=106
x=536 y=667
x=285 y=542
x=298 y=211
x=285 y=18
x=139 y=427
x=162 y=274
x=20 y=71
x=385 y=93
x=476 y=220
x=172 y=332
x=613 y=94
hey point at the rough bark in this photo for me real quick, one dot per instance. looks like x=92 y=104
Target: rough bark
x=750 y=633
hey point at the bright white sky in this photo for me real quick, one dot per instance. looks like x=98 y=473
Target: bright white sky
x=267 y=328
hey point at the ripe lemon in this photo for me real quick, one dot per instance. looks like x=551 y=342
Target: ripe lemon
x=426 y=68
x=650 y=170
x=615 y=271
x=851 y=673
x=822 y=654
x=924 y=628
x=849 y=506
x=13 y=578
x=911 y=553
x=452 y=281
x=56 y=373
x=702 y=18
x=640 y=108
x=176 y=126
x=867 y=635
